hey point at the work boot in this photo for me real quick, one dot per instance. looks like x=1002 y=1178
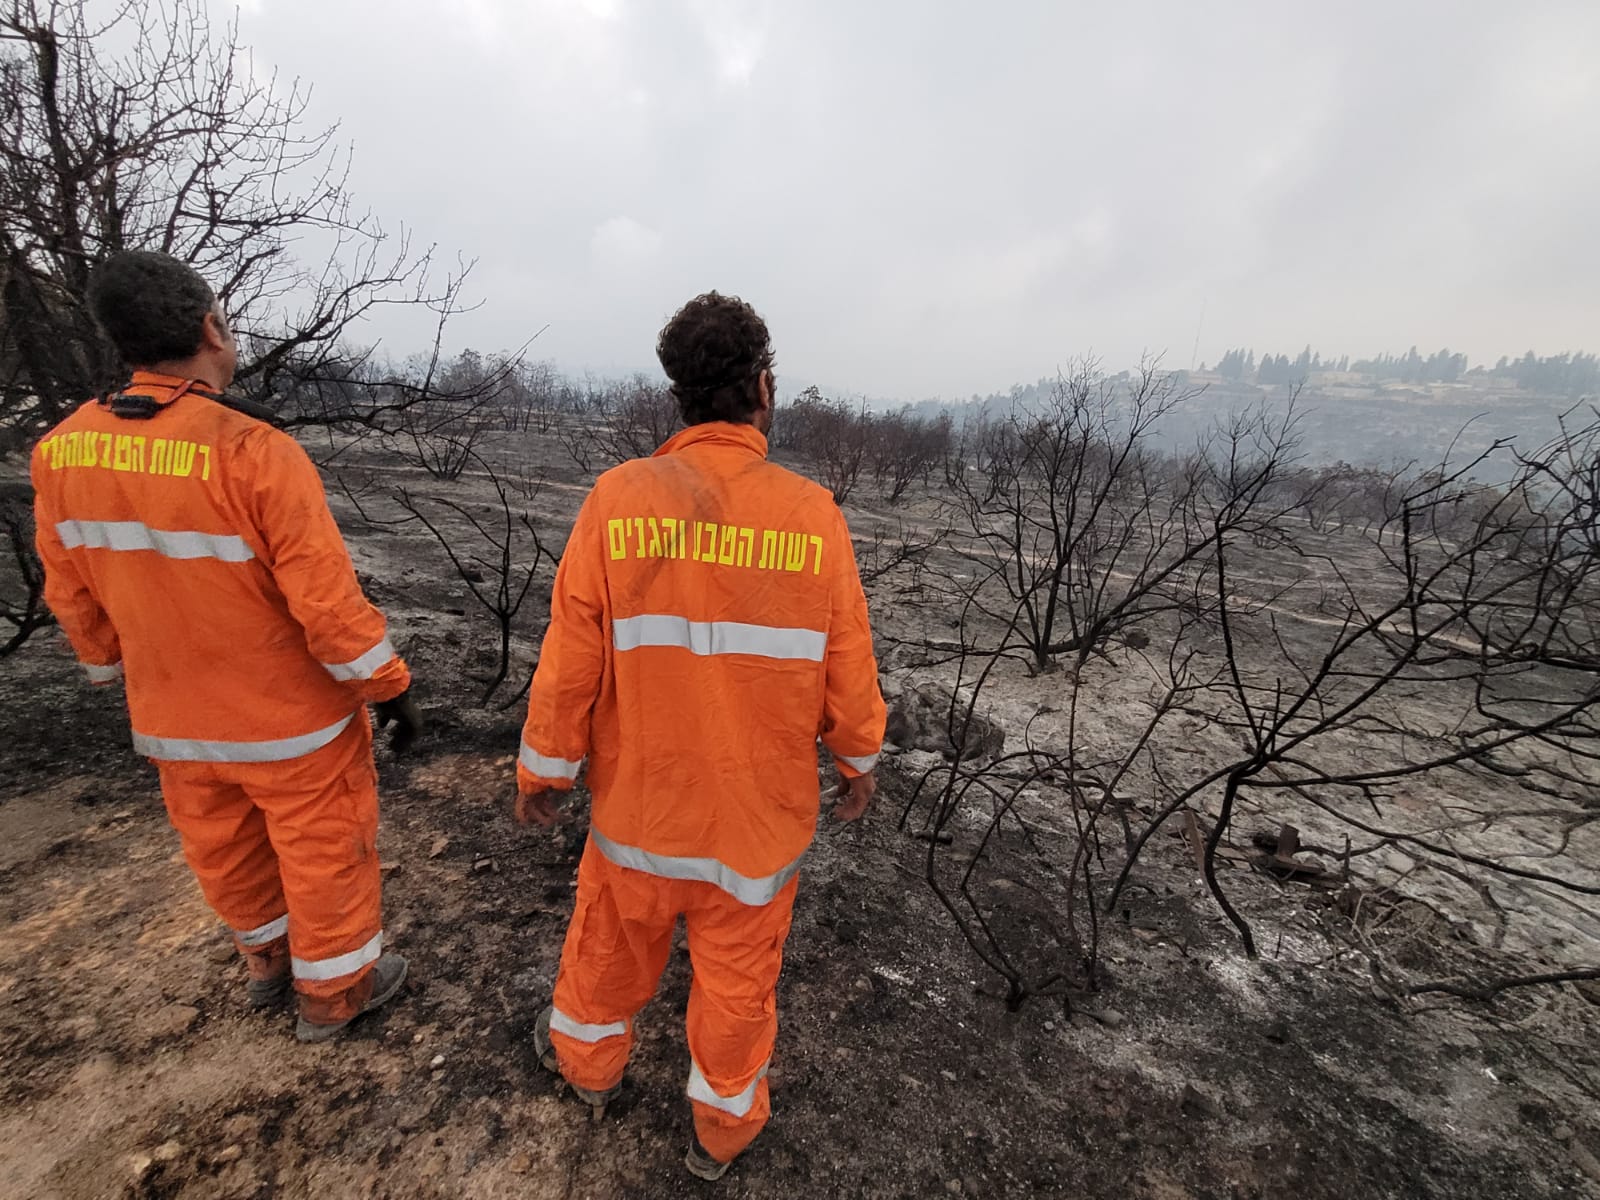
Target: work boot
x=702 y=1166
x=270 y=976
x=388 y=973
x=267 y=992
x=546 y=1051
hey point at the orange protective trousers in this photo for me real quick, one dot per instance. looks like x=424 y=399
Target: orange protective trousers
x=289 y=848
x=617 y=945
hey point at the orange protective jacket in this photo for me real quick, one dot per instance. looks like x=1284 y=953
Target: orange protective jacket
x=707 y=627
x=194 y=553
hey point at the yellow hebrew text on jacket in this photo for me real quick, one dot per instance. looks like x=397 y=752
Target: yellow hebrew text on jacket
x=126 y=452
x=710 y=544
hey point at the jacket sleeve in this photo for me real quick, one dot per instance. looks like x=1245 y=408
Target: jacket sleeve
x=87 y=626
x=853 y=712
x=566 y=683
x=306 y=554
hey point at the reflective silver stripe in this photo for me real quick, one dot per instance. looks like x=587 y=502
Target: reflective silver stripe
x=561 y=1023
x=718 y=637
x=340 y=964
x=136 y=535
x=734 y=1106
x=195 y=750
x=260 y=936
x=364 y=667
x=859 y=764
x=548 y=768
x=754 y=892
x=102 y=674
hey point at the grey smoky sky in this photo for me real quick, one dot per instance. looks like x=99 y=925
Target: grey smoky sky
x=932 y=198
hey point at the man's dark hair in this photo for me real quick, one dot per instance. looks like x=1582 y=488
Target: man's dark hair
x=150 y=305
x=714 y=350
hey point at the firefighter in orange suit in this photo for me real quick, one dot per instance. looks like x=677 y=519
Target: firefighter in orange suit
x=708 y=626
x=189 y=551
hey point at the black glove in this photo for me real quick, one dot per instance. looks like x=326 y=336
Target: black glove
x=403 y=711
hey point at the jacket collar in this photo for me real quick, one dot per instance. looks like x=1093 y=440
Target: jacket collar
x=717 y=433
x=172 y=383
x=150 y=392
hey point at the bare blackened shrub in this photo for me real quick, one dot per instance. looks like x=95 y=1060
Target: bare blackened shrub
x=831 y=438
x=22 y=606
x=618 y=420
x=172 y=145
x=905 y=449
x=1446 y=645
x=497 y=560
x=1094 y=530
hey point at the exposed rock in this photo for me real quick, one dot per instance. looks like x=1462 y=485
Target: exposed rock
x=79 y=1029
x=893 y=659
x=170 y=1020
x=242 y=1127
x=1197 y=1104
x=921 y=718
x=1584 y=1159
x=1109 y=1017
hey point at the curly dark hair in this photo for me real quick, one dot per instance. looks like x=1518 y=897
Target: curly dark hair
x=714 y=350
x=151 y=306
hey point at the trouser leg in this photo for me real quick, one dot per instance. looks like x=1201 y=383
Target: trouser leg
x=322 y=815
x=226 y=844
x=737 y=952
x=617 y=944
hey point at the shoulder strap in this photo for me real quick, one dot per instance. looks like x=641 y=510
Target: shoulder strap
x=136 y=406
x=249 y=408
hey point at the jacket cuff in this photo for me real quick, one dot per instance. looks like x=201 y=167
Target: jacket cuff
x=528 y=784
x=387 y=682
x=541 y=772
x=102 y=675
x=851 y=765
